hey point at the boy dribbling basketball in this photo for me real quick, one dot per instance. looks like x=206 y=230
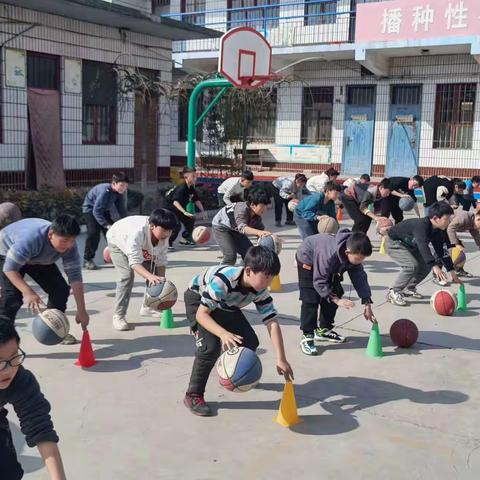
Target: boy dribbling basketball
x=213 y=304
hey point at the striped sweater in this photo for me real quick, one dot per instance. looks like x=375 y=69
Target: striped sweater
x=220 y=288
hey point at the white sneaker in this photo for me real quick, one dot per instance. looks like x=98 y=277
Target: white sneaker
x=396 y=298
x=149 y=312
x=119 y=323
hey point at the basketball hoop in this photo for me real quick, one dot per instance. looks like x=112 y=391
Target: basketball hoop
x=245 y=58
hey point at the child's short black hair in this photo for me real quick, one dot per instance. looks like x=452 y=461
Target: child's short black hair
x=262 y=259
x=358 y=243
x=8 y=332
x=331 y=185
x=419 y=179
x=248 y=175
x=65 y=226
x=186 y=170
x=258 y=195
x=476 y=179
x=459 y=183
x=161 y=217
x=439 y=209
x=365 y=176
x=331 y=172
x=301 y=177
x=385 y=183
x=120 y=177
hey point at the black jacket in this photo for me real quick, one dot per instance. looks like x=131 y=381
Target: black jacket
x=418 y=233
x=31 y=407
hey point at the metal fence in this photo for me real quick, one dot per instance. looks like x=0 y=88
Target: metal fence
x=303 y=23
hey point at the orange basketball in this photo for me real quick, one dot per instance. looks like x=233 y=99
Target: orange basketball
x=201 y=234
x=106 y=255
x=444 y=302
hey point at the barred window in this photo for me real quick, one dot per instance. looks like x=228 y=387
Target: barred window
x=320 y=12
x=317 y=114
x=249 y=16
x=454 y=113
x=99 y=103
x=195 y=7
x=43 y=71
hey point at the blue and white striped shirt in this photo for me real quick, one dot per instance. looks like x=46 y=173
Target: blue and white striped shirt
x=220 y=288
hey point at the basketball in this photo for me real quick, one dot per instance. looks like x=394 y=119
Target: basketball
x=239 y=369
x=9 y=213
x=406 y=204
x=404 y=333
x=161 y=296
x=327 y=224
x=273 y=242
x=106 y=255
x=384 y=224
x=458 y=257
x=444 y=302
x=50 y=327
x=293 y=204
x=201 y=234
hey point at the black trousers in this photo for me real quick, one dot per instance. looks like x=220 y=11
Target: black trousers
x=361 y=222
x=280 y=203
x=310 y=318
x=48 y=277
x=10 y=469
x=93 y=236
x=208 y=344
x=394 y=208
x=187 y=222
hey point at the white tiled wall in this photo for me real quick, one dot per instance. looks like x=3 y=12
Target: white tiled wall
x=74 y=39
x=427 y=71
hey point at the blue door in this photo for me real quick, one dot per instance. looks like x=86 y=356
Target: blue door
x=358 y=130
x=404 y=131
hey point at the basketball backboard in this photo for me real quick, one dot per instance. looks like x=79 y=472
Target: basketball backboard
x=245 y=58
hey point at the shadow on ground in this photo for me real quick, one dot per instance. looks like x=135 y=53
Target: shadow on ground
x=341 y=398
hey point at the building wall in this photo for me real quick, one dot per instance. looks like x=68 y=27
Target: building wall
x=427 y=71
x=69 y=38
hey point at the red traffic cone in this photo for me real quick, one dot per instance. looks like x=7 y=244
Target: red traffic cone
x=340 y=214
x=86 y=359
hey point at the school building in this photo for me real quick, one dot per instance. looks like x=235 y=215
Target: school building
x=385 y=88
x=67 y=113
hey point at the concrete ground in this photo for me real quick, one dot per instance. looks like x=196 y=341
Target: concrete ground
x=412 y=414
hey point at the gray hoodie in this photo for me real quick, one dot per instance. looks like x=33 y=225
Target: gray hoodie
x=326 y=254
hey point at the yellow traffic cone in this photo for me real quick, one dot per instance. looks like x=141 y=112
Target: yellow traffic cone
x=287 y=413
x=382 y=247
x=276 y=285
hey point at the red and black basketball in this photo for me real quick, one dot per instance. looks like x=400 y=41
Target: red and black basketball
x=404 y=333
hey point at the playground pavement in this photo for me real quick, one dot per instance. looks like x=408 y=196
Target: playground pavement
x=411 y=414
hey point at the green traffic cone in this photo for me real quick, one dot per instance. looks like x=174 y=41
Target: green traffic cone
x=167 y=319
x=374 y=347
x=461 y=298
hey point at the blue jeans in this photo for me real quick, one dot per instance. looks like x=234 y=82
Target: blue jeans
x=307 y=228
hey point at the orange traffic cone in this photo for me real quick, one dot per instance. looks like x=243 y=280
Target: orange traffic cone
x=86 y=359
x=287 y=412
x=340 y=214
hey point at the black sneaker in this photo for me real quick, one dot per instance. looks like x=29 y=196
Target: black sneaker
x=322 y=334
x=186 y=241
x=290 y=222
x=196 y=404
x=462 y=273
x=90 y=265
